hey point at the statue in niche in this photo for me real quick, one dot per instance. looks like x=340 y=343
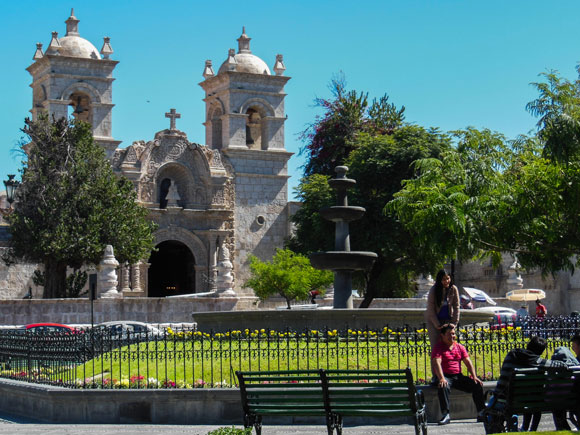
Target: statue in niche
x=253 y=128
x=172 y=195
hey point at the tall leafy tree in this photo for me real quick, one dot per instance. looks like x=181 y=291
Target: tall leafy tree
x=491 y=195
x=379 y=163
x=331 y=137
x=70 y=204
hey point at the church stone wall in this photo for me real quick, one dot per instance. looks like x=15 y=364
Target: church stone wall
x=15 y=280
x=261 y=221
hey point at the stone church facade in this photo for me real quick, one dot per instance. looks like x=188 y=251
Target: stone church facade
x=215 y=204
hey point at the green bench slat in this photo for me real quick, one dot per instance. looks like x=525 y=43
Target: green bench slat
x=372 y=413
x=296 y=406
x=366 y=385
x=371 y=405
x=366 y=378
x=285 y=400
x=368 y=399
x=254 y=387
x=282 y=379
x=332 y=372
x=278 y=411
x=280 y=372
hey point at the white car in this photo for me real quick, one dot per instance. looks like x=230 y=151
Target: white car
x=128 y=329
x=502 y=316
x=495 y=310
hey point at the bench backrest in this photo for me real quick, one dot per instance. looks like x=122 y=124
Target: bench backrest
x=366 y=392
x=291 y=392
x=543 y=389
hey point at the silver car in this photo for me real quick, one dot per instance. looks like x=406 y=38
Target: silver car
x=127 y=331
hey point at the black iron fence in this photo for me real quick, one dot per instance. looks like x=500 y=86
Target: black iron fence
x=106 y=358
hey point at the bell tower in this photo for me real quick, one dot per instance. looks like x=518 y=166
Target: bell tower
x=245 y=119
x=71 y=78
x=244 y=101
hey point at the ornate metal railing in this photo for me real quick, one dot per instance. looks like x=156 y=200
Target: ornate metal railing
x=100 y=358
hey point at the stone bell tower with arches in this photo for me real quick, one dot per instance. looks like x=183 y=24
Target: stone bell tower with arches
x=245 y=119
x=72 y=78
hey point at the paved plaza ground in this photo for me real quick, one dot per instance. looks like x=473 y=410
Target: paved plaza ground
x=10 y=425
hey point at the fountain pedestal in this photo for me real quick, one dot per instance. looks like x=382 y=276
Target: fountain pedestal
x=342 y=261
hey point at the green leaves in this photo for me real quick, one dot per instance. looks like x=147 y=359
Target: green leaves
x=70 y=204
x=332 y=136
x=289 y=275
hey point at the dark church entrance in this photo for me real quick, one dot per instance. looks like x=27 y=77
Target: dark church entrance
x=172 y=270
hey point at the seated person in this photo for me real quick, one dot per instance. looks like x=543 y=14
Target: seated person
x=446 y=359
x=530 y=357
x=570 y=358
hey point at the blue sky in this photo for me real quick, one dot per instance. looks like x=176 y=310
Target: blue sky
x=452 y=64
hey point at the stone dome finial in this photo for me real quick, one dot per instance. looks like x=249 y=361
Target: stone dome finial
x=38 y=54
x=231 y=60
x=54 y=45
x=244 y=42
x=208 y=70
x=279 y=66
x=244 y=61
x=72 y=45
x=106 y=50
x=72 y=24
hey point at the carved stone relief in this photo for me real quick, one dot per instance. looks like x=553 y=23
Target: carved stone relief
x=218 y=197
x=216 y=160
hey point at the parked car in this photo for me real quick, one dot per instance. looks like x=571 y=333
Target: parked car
x=50 y=327
x=127 y=331
x=502 y=316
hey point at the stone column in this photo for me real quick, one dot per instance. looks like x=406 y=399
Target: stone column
x=125 y=278
x=225 y=278
x=135 y=268
x=107 y=275
x=136 y=291
x=146 y=267
x=212 y=277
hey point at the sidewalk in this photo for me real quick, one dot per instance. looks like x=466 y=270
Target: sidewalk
x=10 y=426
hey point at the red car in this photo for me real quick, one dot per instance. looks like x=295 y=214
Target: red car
x=51 y=327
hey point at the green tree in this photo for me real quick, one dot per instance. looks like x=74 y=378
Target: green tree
x=70 y=204
x=444 y=206
x=378 y=163
x=289 y=275
x=312 y=232
x=491 y=195
x=331 y=137
x=558 y=109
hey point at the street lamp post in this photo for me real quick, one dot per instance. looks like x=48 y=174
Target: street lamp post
x=11 y=185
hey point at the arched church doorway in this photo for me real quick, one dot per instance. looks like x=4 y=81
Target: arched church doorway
x=172 y=270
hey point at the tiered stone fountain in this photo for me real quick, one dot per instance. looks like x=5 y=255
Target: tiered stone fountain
x=342 y=261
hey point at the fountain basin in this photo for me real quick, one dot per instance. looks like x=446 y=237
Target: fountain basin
x=342 y=213
x=341 y=183
x=343 y=260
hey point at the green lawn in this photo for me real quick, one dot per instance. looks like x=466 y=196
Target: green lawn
x=215 y=359
x=197 y=359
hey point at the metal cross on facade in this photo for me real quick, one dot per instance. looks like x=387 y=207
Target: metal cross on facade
x=173 y=115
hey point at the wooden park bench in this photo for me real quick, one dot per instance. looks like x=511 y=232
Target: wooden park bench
x=533 y=390
x=332 y=394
